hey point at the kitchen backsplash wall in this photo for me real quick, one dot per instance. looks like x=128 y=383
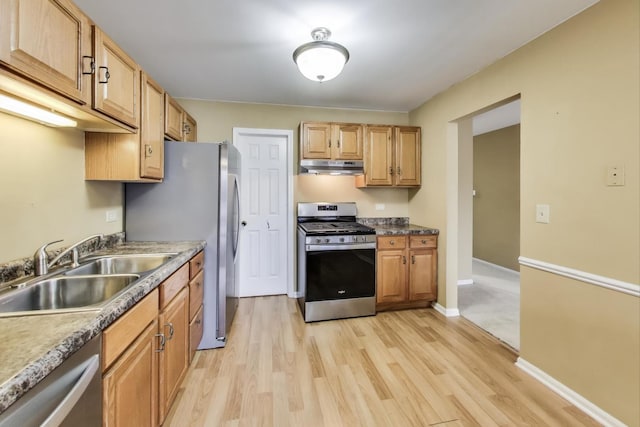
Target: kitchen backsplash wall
x=43 y=194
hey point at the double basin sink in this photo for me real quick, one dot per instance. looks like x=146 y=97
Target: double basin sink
x=90 y=286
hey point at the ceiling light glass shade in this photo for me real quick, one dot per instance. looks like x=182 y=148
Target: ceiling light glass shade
x=31 y=112
x=320 y=60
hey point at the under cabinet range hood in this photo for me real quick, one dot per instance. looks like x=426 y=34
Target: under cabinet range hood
x=331 y=167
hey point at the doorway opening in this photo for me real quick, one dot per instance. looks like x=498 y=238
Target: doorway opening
x=487 y=282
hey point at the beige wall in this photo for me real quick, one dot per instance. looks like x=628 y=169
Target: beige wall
x=496 y=205
x=43 y=195
x=216 y=121
x=579 y=86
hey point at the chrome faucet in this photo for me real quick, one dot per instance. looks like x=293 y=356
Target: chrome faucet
x=40 y=259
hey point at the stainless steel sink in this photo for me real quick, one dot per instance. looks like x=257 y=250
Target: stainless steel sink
x=59 y=294
x=121 y=264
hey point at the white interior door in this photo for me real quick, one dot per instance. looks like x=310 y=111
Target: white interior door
x=265 y=252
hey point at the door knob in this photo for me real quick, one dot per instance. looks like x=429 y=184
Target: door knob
x=244 y=223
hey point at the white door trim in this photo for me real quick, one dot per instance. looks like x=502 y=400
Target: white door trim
x=288 y=134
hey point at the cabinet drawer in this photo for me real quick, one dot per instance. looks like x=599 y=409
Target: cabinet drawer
x=170 y=287
x=195 y=333
x=196 y=290
x=195 y=264
x=121 y=333
x=392 y=242
x=423 y=241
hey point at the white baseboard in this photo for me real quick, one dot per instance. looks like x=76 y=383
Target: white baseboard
x=465 y=282
x=576 y=399
x=583 y=276
x=447 y=312
x=294 y=294
x=496 y=266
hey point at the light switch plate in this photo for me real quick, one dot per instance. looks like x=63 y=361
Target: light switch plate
x=111 y=215
x=542 y=214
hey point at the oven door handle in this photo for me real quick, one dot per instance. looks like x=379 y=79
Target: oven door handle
x=350 y=247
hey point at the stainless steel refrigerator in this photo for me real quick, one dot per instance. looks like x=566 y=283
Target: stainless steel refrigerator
x=197 y=200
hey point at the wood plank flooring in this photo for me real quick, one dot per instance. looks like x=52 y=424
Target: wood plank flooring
x=401 y=368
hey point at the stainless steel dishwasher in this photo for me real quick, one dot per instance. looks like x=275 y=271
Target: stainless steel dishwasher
x=70 y=396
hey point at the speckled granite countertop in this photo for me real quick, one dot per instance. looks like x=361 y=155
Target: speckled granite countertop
x=396 y=225
x=32 y=346
x=387 y=230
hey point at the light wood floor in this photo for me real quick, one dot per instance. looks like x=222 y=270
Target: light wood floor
x=403 y=368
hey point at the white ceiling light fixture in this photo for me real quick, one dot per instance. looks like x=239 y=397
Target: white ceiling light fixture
x=320 y=60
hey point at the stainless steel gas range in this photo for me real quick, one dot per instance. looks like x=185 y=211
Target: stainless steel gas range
x=336 y=262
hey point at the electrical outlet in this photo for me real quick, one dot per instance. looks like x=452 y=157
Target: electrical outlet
x=379 y=206
x=111 y=215
x=542 y=214
x=615 y=176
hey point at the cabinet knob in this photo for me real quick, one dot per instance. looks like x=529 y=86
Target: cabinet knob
x=413 y=259
x=424 y=242
x=171 y=330
x=390 y=170
x=392 y=242
x=404 y=259
x=148 y=150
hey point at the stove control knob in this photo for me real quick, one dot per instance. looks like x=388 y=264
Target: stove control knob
x=318 y=240
x=327 y=240
x=342 y=240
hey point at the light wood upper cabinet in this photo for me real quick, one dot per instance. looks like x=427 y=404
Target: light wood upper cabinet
x=190 y=128
x=407 y=156
x=152 y=129
x=347 y=141
x=173 y=124
x=131 y=157
x=392 y=157
x=315 y=140
x=337 y=141
x=378 y=161
x=48 y=41
x=116 y=81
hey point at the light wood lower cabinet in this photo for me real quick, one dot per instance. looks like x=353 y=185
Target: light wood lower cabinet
x=196 y=295
x=147 y=351
x=174 y=359
x=130 y=387
x=406 y=274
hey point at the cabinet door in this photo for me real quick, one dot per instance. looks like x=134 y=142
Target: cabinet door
x=315 y=141
x=174 y=359
x=422 y=274
x=407 y=156
x=46 y=41
x=346 y=141
x=378 y=166
x=190 y=128
x=391 y=276
x=130 y=387
x=116 y=81
x=152 y=129
x=173 y=118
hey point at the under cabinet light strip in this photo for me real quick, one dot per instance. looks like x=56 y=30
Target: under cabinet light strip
x=32 y=112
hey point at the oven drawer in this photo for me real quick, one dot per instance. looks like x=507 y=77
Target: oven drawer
x=392 y=242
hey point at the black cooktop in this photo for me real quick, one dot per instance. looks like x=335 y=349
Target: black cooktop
x=324 y=228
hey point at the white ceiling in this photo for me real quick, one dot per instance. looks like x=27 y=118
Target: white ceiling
x=403 y=52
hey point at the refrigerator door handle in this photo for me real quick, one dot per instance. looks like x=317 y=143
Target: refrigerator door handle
x=236 y=195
